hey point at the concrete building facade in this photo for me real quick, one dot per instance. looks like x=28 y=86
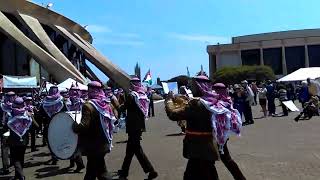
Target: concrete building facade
x=284 y=51
x=39 y=42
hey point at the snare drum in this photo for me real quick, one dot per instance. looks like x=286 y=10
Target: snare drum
x=61 y=138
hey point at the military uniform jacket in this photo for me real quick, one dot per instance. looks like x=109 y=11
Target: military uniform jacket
x=199 y=142
x=91 y=136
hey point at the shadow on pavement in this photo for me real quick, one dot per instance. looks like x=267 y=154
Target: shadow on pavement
x=51 y=172
x=176 y=134
x=6 y=178
x=42 y=154
x=121 y=142
x=33 y=164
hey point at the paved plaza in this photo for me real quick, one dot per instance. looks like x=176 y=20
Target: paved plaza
x=274 y=148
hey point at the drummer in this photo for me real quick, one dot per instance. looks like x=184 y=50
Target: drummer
x=51 y=105
x=19 y=122
x=74 y=103
x=95 y=132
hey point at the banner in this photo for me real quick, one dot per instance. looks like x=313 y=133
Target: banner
x=19 y=82
x=291 y=106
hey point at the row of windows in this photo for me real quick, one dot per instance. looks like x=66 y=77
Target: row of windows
x=295 y=57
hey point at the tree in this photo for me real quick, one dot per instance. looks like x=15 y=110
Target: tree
x=234 y=75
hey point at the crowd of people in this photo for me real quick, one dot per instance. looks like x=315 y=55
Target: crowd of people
x=24 y=115
x=207 y=117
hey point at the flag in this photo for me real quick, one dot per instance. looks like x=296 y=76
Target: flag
x=147 y=78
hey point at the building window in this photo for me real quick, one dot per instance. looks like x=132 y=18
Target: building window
x=250 y=57
x=295 y=58
x=314 y=55
x=273 y=57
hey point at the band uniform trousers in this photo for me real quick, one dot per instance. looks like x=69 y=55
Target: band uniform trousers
x=33 y=138
x=77 y=158
x=200 y=169
x=230 y=164
x=96 y=167
x=134 y=148
x=17 y=156
x=5 y=150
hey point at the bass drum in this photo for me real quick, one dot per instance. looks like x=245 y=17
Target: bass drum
x=61 y=138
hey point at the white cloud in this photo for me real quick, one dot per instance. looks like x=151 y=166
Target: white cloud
x=200 y=38
x=94 y=28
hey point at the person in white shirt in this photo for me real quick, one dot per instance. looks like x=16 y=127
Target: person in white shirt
x=262 y=94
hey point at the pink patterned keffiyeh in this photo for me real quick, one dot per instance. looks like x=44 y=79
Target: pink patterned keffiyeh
x=225 y=119
x=140 y=96
x=53 y=103
x=19 y=120
x=98 y=100
x=74 y=103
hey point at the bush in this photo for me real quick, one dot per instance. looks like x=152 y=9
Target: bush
x=234 y=75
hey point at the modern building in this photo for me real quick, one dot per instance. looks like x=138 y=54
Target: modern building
x=284 y=51
x=37 y=41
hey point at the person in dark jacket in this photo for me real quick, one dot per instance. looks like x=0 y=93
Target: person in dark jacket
x=19 y=123
x=95 y=132
x=52 y=104
x=199 y=145
x=270 y=98
x=6 y=108
x=137 y=105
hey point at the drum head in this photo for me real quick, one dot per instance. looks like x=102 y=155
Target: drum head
x=61 y=138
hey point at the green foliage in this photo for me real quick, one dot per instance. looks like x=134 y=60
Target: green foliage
x=234 y=75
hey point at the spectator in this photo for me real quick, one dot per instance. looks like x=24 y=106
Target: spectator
x=313 y=87
x=263 y=99
x=304 y=93
x=247 y=112
x=254 y=88
x=283 y=97
x=270 y=98
x=239 y=98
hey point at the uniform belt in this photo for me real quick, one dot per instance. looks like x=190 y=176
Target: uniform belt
x=197 y=133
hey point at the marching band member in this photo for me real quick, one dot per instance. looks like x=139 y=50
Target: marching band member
x=51 y=105
x=137 y=105
x=6 y=107
x=200 y=144
x=31 y=109
x=74 y=103
x=19 y=122
x=95 y=132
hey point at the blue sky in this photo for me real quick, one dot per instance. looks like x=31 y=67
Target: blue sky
x=169 y=35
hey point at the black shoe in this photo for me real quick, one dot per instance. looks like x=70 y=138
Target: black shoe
x=79 y=168
x=152 y=175
x=245 y=123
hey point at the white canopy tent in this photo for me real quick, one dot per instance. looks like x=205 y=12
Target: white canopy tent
x=302 y=74
x=65 y=85
x=69 y=82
